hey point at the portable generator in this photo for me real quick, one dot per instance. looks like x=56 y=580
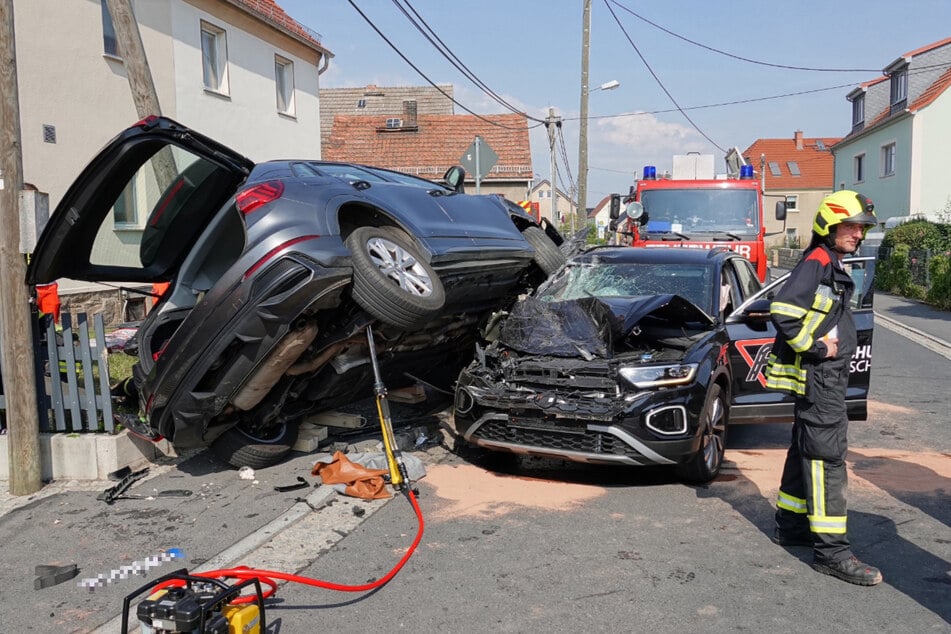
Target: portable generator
x=188 y=604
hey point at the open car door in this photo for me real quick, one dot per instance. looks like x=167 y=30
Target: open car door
x=752 y=333
x=133 y=214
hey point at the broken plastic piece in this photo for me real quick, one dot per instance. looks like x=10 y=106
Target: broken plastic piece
x=112 y=493
x=49 y=575
x=301 y=484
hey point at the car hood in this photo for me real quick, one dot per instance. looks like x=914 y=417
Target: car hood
x=591 y=326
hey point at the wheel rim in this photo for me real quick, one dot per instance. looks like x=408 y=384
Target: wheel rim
x=714 y=428
x=400 y=266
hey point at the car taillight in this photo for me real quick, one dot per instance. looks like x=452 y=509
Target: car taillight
x=261 y=194
x=270 y=254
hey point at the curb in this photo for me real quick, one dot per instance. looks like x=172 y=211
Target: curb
x=935 y=344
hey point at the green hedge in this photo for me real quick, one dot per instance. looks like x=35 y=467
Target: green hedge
x=894 y=269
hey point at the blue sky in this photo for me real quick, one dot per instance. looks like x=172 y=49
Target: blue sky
x=529 y=53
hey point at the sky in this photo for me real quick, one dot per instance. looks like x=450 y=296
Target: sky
x=528 y=53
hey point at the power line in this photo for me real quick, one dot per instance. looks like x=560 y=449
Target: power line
x=739 y=57
x=751 y=99
x=659 y=82
x=421 y=73
x=427 y=31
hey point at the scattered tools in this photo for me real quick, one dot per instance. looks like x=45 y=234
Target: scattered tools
x=49 y=575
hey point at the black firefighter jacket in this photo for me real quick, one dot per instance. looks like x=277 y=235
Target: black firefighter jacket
x=813 y=301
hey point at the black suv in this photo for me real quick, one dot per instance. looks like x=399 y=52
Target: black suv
x=638 y=356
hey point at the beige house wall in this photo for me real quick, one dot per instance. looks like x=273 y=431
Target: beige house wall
x=66 y=81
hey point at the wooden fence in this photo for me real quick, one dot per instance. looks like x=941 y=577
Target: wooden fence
x=73 y=377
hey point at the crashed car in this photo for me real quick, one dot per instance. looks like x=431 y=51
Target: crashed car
x=638 y=356
x=275 y=271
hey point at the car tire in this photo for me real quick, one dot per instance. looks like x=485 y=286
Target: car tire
x=391 y=281
x=705 y=465
x=548 y=256
x=240 y=447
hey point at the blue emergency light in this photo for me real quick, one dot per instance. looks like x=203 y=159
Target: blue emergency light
x=746 y=172
x=650 y=173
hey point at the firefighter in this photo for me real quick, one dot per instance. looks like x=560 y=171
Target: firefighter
x=810 y=359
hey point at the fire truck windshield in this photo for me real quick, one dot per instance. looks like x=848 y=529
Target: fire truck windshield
x=691 y=211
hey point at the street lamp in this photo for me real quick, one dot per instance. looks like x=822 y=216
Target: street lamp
x=583 y=139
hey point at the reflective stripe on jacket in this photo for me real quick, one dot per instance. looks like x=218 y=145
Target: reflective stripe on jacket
x=813 y=300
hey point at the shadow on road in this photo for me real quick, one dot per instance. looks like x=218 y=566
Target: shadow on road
x=914 y=484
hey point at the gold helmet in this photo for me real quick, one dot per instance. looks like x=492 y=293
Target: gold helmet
x=844 y=206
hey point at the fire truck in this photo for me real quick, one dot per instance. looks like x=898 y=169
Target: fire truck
x=694 y=209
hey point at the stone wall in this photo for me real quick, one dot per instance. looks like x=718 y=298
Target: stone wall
x=114 y=305
x=787 y=258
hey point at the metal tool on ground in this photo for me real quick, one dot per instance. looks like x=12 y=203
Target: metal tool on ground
x=394 y=457
x=180 y=603
x=50 y=575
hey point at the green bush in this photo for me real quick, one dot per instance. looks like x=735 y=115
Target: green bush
x=939 y=268
x=919 y=235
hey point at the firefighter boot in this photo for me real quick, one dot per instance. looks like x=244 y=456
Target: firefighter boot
x=851 y=570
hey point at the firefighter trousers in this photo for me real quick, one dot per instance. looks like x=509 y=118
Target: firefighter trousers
x=812 y=493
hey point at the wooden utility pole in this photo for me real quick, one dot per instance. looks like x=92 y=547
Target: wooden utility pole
x=583 y=130
x=16 y=332
x=139 y=74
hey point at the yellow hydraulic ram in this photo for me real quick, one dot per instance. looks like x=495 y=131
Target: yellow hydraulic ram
x=394 y=458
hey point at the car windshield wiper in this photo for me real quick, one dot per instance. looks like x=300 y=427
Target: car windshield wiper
x=676 y=236
x=731 y=236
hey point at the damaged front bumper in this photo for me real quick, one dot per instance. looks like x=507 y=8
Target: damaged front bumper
x=637 y=429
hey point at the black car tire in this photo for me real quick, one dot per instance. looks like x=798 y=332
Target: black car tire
x=242 y=448
x=705 y=464
x=548 y=256
x=391 y=281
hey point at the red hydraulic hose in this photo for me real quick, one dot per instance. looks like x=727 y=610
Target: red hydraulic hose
x=270 y=577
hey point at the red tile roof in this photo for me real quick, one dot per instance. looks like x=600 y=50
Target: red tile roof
x=435 y=144
x=270 y=12
x=816 y=167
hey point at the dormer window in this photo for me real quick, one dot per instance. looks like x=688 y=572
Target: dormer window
x=858 y=111
x=899 y=88
x=394 y=122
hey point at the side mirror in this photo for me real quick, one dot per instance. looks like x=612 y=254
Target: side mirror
x=455 y=177
x=781 y=210
x=615 y=206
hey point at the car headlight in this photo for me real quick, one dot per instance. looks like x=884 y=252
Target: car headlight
x=647 y=376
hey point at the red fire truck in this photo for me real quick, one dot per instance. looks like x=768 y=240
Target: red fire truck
x=694 y=209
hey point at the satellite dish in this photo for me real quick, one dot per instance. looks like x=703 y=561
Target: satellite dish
x=734 y=160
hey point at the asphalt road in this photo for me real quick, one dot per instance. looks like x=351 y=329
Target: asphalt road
x=530 y=544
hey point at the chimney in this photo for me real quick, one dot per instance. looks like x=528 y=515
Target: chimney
x=409 y=114
x=797 y=137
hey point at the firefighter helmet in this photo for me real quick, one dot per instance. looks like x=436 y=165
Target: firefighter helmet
x=844 y=206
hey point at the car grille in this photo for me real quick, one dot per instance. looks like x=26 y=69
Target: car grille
x=575 y=439
x=590 y=376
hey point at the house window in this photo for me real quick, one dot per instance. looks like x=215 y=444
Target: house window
x=214 y=58
x=792 y=202
x=793 y=168
x=394 y=122
x=284 y=82
x=888 y=160
x=858 y=171
x=110 y=46
x=774 y=168
x=123 y=211
x=899 y=88
x=361 y=103
x=858 y=111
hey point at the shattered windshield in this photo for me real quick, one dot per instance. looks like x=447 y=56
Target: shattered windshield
x=714 y=210
x=632 y=279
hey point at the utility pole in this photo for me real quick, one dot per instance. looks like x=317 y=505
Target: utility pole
x=583 y=131
x=144 y=95
x=553 y=122
x=16 y=331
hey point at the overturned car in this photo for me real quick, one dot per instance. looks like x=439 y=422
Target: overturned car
x=275 y=270
x=635 y=357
